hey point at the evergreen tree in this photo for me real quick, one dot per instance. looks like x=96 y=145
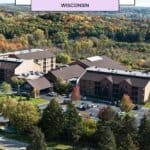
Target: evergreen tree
x=72 y=128
x=105 y=138
x=38 y=140
x=127 y=127
x=127 y=143
x=52 y=120
x=144 y=134
x=122 y=127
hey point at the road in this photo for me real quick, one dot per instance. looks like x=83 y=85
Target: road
x=10 y=144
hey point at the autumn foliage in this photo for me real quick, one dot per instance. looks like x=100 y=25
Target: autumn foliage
x=126 y=103
x=106 y=114
x=75 y=95
x=9 y=45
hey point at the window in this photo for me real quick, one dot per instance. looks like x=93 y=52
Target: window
x=2 y=75
x=134 y=94
x=104 y=91
x=115 y=90
x=97 y=88
x=83 y=87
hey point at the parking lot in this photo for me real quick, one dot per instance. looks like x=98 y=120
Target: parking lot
x=92 y=109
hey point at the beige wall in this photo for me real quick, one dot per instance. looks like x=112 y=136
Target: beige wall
x=26 y=66
x=147 y=92
x=47 y=64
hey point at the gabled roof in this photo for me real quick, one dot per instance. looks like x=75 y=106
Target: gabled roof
x=9 y=65
x=27 y=66
x=102 y=62
x=35 y=55
x=69 y=72
x=40 y=83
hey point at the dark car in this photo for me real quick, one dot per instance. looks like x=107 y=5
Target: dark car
x=135 y=107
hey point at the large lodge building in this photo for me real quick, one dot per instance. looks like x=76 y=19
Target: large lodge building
x=108 y=81
x=110 y=84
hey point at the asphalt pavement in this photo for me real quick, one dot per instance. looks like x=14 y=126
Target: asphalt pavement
x=92 y=112
x=10 y=144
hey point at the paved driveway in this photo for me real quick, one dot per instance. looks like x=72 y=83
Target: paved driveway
x=9 y=144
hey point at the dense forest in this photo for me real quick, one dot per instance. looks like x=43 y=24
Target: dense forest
x=125 y=39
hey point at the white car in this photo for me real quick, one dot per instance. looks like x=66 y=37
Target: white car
x=52 y=94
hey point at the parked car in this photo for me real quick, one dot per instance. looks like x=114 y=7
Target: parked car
x=83 y=106
x=52 y=94
x=84 y=98
x=66 y=101
x=135 y=107
x=22 y=148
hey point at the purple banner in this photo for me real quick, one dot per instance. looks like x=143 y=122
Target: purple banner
x=75 y=5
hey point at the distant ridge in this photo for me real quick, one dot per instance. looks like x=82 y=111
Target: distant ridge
x=125 y=12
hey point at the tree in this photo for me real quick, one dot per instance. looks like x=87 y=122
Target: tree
x=126 y=103
x=106 y=114
x=144 y=133
x=123 y=126
x=127 y=143
x=52 y=120
x=25 y=116
x=63 y=58
x=38 y=35
x=72 y=127
x=75 y=95
x=62 y=86
x=60 y=37
x=38 y=140
x=88 y=132
x=17 y=82
x=8 y=107
x=22 y=115
x=129 y=127
x=105 y=138
x=37 y=38
x=5 y=88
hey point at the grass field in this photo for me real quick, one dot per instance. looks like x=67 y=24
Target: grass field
x=54 y=146
x=35 y=101
x=26 y=139
x=147 y=105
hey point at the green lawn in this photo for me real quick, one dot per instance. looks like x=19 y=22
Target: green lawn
x=35 y=101
x=26 y=139
x=54 y=146
x=147 y=105
x=15 y=136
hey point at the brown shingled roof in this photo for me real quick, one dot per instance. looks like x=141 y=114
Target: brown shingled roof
x=40 y=83
x=35 y=55
x=105 y=62
x=69 y=72
x=4 y=64
x=97 y=77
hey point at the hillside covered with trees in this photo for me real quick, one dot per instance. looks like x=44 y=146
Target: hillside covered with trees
x=79 y=35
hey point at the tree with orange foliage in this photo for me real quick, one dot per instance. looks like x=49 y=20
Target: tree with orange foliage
x=126 y=103
x=75 y=95
x=9 y=45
